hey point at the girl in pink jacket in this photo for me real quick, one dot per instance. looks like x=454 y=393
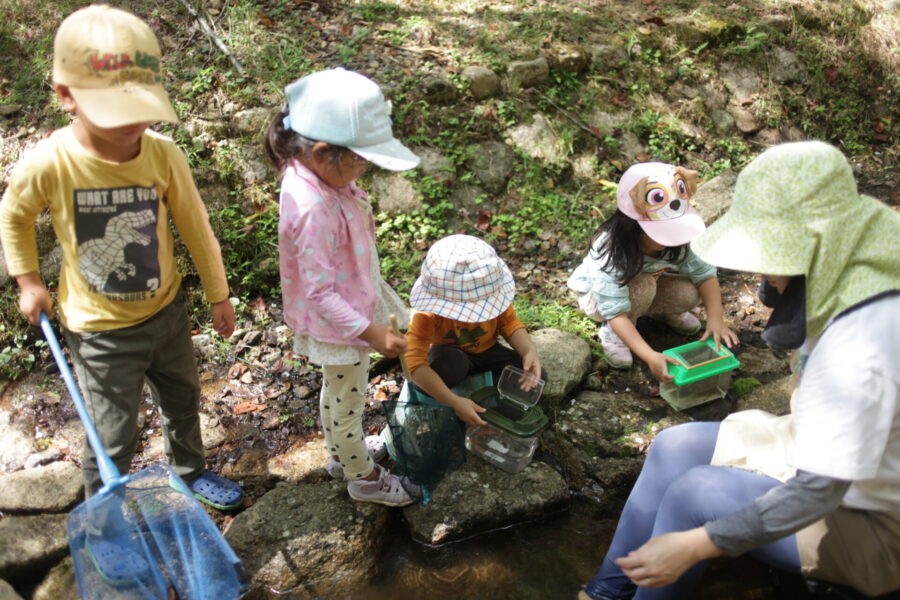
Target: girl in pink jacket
x=336 y=122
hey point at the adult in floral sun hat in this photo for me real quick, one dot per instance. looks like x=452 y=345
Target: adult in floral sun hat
x=463 y=303
x=815 y=492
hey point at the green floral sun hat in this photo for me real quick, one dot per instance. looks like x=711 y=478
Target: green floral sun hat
x=796 y=211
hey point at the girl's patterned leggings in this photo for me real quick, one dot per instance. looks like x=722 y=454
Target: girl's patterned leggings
x=341 y=406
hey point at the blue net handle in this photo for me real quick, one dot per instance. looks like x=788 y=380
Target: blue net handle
x=108 y=471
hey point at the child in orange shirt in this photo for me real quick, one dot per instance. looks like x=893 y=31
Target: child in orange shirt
x=463 y=302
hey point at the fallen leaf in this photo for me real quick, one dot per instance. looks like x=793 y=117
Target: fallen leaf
x=247 y=377
x=656 y=21
x=619 y=99
x=250 y=406
x=877 y=126
x=644 y=30
x=643 y=157
x=831 y=73
x=236 y=370
x=484 y=219
x=381 y=395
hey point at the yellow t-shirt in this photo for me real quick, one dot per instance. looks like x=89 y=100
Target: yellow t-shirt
x=112 y=222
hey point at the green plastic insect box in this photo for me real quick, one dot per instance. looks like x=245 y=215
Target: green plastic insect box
x=702 y=374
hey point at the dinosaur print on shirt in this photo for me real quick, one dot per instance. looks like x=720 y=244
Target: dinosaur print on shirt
x=117 y=241
x=465 y=337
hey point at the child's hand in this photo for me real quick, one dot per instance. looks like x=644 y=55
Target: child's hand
x=33 y=297
x=468 y=411
x=384 y=340
x=223 y=317
x=658 y=364
x=720 y=332
x=531 y=364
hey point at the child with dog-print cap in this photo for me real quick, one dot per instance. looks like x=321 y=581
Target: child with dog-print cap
x=113 y=187
x=640 y=263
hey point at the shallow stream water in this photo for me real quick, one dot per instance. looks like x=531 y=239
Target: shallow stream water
x=544 y=560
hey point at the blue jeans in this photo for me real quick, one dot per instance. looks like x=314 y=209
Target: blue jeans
x=679 y=490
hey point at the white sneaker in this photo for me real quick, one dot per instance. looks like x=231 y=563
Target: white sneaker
x=386 y=490
x=377 y=450
x=684 y=323
x=617 y=354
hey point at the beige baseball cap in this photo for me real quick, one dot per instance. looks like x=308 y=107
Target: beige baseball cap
x=111 y=62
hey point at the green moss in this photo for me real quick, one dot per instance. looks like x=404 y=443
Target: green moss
x=745 y=385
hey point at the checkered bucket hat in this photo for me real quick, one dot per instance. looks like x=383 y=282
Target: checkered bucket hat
x=463 y=279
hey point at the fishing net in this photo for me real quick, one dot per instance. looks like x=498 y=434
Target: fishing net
x=158 y=537
x=425 y=439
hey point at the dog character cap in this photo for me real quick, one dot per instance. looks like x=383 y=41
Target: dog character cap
x=345 y=108
x=112 y=64
x=658 y=196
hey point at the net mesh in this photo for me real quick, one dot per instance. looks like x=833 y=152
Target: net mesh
x=425 y=439
x=150 y=538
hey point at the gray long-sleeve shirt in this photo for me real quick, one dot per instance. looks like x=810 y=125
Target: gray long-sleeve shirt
x=781 y=511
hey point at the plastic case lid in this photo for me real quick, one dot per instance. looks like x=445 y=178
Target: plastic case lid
x=511 y=383
x=699 y=360
x=511 y=408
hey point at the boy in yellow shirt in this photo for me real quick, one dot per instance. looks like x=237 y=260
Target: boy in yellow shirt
x=111 y=184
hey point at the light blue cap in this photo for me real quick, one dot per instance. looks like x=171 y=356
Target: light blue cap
x=347 y=109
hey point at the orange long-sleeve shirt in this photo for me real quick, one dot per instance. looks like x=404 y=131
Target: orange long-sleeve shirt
x=428 y=329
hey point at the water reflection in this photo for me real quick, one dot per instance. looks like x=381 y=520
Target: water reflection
x=532 y=561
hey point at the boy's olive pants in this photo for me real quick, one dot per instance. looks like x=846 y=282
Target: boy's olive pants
x=111 y=367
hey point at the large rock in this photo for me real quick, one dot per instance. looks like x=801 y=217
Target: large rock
x=394 y=193
x=437 y=88
x=435 y=165
x=567 y=359
x=773 y=397
x=609 y=122
x=53 y=488
x=539 y=140
x=478 y=497
x=786 y=67
x=59 y=584
x=570 y=58
x=492 y=164
x=762 y=363
x=600 y=439
x=483 y=83
x=744 y=119
x=7 y=592
x=742 y=81
x=303 y=462
x=29 y=545
x=303 y=541
x=253 y=122
x=527 y=73
x=248 y=161
x=713 y=198
x=16 y=443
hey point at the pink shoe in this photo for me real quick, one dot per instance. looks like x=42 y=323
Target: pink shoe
x=684 y=323
x=377 y=450
x=618 y=356
x=386 y=490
